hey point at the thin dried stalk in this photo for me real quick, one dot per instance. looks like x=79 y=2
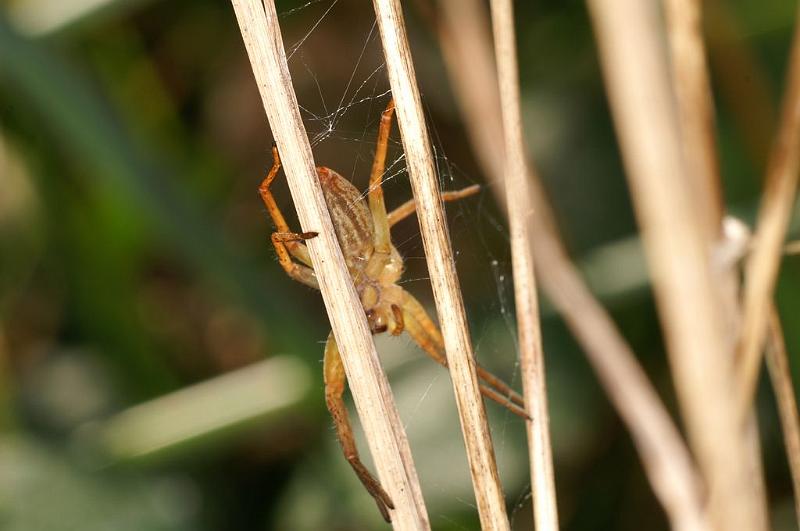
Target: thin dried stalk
x=465 y=40
x=374 y=403
x=695 y=110
x=761 y=269
x=436 y=240
x=695 y=113
x=696 y=125
x=664 y=455
x=781 y=376
x=531 y=356
x=628 y=34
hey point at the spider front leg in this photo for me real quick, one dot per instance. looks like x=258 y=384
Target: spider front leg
x=382 y=242
x=409 y=207
x=335 y=381
x=287 y=243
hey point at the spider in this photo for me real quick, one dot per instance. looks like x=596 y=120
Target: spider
x=362 y=229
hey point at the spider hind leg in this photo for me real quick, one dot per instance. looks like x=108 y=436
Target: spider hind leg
x=426 y=334
x=335 y=381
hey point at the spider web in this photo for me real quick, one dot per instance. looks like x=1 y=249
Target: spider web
x=341 y=97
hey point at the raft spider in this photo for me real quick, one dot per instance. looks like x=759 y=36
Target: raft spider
x=362 y=229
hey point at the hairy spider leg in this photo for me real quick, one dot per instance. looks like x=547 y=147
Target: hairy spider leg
x=426 y=334
x=399 y=323
x=286 y=242
x=435 y=342
x=409 y=207
x=382 y=243
x=335 y=381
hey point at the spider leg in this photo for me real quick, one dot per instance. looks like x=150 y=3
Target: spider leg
x=399 y=323
x=294 y=246
x=382 y=239
x=426 y=334
x=298 y=272
x=409 y=207
x=335 y=381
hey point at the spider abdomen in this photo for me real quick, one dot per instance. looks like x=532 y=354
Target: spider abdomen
x=351 y=218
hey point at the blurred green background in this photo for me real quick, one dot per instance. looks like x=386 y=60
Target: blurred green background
x=158 y=371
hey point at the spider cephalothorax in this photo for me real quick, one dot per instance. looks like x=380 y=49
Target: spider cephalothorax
x=375 y=269
x=362 y=229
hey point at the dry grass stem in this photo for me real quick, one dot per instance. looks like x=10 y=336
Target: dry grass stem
x=761 y=268
x=465 y=39
x=545 y=510
x=628 y=34
x=695 y=110
x=695 y=113
x=436 y=240
x=374 y=402
x=691 y=86
x=664 y=455
x=781 y=377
